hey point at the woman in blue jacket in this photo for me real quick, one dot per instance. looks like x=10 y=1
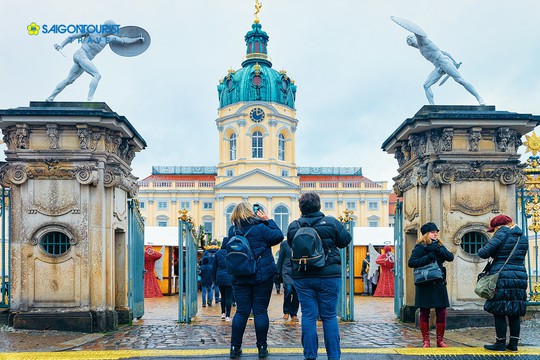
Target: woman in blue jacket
x=511 y=294
x=252 y=292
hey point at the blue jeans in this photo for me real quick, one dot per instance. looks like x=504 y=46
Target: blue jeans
x=216 y=291
x=206 y=293
x=251 y=297
x=290 y=300
x=319 y=297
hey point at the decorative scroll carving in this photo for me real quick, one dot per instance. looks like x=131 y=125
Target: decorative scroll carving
x=84 y=138
x=506 y=139
x=446 y=137
x=115 y=176
x=86 y=175
x=418 y=144
x=95 y=137
x=445 y=174
x=474 y=139
x=399 y=156
x=54 y=136
x=112 y=143
x=435 y=139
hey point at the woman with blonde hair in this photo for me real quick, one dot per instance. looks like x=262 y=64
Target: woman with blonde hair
x=433 y=294
x=252 y=292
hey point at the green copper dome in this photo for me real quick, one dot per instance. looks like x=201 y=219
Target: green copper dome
x=256 y=80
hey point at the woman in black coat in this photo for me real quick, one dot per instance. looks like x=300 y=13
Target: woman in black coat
x=223 y=279
x=511 y=292
x=429 y=248
x=252 y=292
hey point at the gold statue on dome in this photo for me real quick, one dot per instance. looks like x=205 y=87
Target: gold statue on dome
x=258 y=7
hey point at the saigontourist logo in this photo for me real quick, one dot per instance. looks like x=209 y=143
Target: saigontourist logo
x=33 y=29
x=110 y=29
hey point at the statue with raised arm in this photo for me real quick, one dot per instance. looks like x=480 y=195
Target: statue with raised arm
x=258 y=7
x=444 y=62
x=92 y=44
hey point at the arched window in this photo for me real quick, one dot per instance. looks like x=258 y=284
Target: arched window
x=257 y=145
x=281 y=147
x=281 y=217
x=232 y=147
x=228 y=213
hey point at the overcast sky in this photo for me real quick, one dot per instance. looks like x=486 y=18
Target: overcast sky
x=357 y=78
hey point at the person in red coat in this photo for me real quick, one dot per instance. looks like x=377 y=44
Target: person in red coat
x=151 y=285
x=385 y=286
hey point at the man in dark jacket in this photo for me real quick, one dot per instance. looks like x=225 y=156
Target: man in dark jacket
x=318 y=289
x=210 y=254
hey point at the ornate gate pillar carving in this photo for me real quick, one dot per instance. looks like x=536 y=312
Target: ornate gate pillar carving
x=458 y=167
x=68 y=165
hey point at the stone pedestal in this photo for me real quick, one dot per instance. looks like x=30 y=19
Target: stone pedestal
x=458 y=167
x=68 y=165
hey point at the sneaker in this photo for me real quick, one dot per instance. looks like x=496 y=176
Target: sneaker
x=294 y=318
x=218 y=301
x=203 y=305
x=209 y=304
x=285 y=316
x=223 y=316
x=235 y=352
x=228 y=319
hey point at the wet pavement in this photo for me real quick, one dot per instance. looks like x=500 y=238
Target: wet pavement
x=374 y=331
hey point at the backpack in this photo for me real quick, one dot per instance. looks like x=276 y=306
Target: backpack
x=240 y=259
x=307 y=251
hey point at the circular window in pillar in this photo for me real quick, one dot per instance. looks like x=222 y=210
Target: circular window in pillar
x=472 y=241
x=54 y=240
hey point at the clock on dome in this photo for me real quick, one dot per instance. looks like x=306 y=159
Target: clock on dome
x=256 y=114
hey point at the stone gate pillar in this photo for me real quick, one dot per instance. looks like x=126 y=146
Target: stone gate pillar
x=458 y=167
x=68 y=165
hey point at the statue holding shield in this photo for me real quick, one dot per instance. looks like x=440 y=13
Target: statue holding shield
x=123 y=41
x=444 y=62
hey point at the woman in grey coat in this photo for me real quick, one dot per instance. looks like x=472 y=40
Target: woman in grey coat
x=511 y=292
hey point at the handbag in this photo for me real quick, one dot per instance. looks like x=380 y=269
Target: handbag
x=427 y=273
x=487 y=284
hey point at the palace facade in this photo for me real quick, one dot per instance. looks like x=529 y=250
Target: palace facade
x=256 y=126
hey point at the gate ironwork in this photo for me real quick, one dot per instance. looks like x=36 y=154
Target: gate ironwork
x=5 y=218
x=398 y=265
x=136 y=259
x=346 y=296
x=187 y=262
x=528 y=210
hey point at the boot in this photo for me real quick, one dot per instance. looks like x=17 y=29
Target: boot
x=424 y=329
x=500 y=345
x=235 y=352
x=263 y=351
x=512 y=344
x=440 y=335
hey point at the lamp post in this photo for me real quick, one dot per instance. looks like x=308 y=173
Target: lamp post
x=346 y=298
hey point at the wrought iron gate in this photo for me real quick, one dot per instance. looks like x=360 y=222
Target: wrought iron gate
x=398 y=265
x=135 y=259
x=346 y=296
x=528 y=215
x=5 y=218
x=187 y=262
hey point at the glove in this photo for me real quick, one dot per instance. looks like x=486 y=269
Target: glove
x=435 y=248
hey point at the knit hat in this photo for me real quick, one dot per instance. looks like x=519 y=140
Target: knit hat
x=499 y=220
x=428 y=227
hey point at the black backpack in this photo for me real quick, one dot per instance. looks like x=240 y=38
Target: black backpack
x=240 y=259
x=307 y=251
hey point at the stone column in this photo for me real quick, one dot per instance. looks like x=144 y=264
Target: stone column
x=68 y=165
x=458 y=167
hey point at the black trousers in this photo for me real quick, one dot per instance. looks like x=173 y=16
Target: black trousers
x=513 y=324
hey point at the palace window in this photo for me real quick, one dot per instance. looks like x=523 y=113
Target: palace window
x=281 y=147
x=373 y=205
x=351 y=205
x=328 y=205
x=55 y=243
x=284 y=172
x=281 y=217
x=185 y=205
x=373 y=221
x=229 y=173
x=257 y=145
x=207 y=205
x=232 y=147
x=228 y=213
x=162 y=205
x=162 y=220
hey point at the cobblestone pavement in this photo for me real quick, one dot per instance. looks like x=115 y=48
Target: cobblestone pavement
x=374 y=327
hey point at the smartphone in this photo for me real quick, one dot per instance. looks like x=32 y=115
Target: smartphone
x=256 y=208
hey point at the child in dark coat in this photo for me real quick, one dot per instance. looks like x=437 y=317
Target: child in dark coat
x=205 y=272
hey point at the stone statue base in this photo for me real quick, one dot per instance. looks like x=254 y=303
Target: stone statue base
x=83 y=321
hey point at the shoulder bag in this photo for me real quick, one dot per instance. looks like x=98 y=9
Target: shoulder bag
x=487 y=284
x=427 y=273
